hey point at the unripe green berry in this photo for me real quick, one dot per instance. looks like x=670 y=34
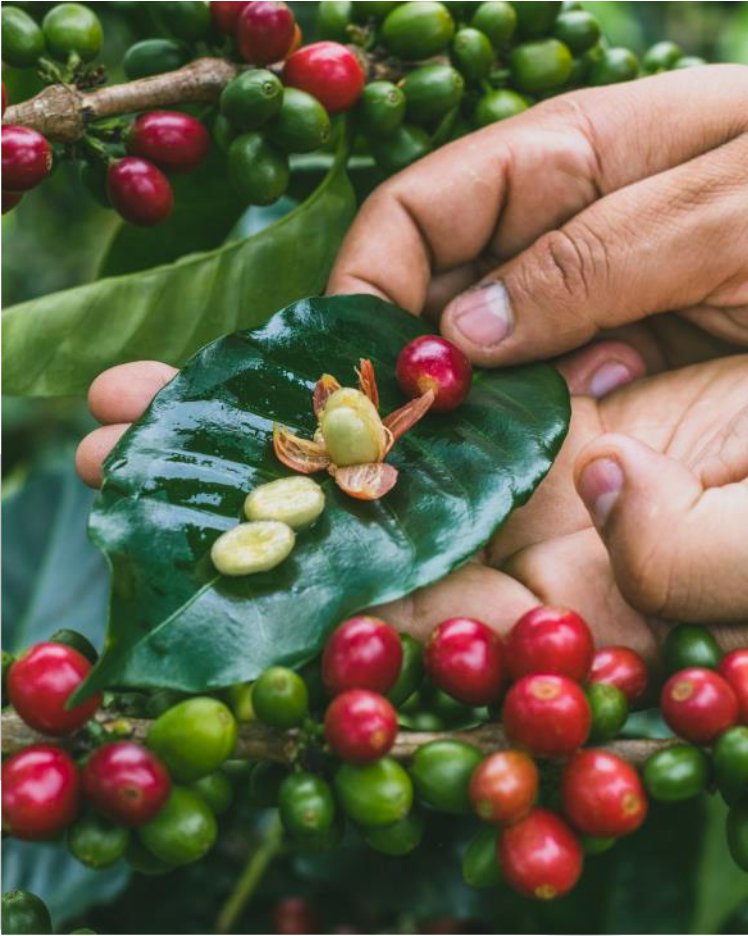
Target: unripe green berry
x=280 y=698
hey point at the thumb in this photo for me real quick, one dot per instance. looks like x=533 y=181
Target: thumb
x=678 y=549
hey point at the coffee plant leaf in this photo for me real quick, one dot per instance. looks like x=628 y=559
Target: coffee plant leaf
x=178 y=478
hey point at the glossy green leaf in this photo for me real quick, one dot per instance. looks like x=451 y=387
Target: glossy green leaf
x=56 y=345
x=178 y=479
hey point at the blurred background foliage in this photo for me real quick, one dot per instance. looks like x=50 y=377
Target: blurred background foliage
x=674 y=876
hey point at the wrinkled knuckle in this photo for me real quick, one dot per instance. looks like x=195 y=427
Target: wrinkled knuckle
x=648 y=578
x=574 y=262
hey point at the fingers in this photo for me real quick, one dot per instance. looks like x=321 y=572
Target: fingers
x=678 y=548
x=601 y=368
x=121 y=394
x=635 y=253
x=94 y=449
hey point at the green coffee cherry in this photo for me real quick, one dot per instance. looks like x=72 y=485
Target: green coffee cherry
x=609 y=709
x=374 y=795
x=612 y=66
x=257 y=170
x=239 y=699
x=480 y=868
x=497 y=20
x=320 y=842
x=143 y=861
x=79 y=642
x=730 y=761
x=577 y=29
x=690 y=645
x=301 y=126
x=540 y=66
x=185 y=19
x=306 y=805
x=535 y=19
x=333 y=19
x=737 y=834
x=237 y=771
x=425 y=721
x=690 y=61
x=430 y=91
x=404 y=147
x=594 y=845
x=296 y=501
x=252 y=99
x=660 y=57
x=249 y=548
x=498 y=105
x=414 y=31
x=410 y=676
x=223 y=133
x=193 y=738
x=154 y=57
x=96 y=842
x=183 y=831
x=381 y=108
x=25 y=913
x=676 y=773
x=473 y=54
x=265 y=783
x=441 y=772
x=23 y=40
x=376 y=9
x=280 y=698
x=72 y=27
x=216 y=790
x=400 y=838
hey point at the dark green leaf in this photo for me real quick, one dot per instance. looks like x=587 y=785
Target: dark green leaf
x=56 y=345
x=179 y=477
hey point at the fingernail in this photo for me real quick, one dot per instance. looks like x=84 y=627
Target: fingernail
x=608 y=377
x=600 y=486
x=483 y=314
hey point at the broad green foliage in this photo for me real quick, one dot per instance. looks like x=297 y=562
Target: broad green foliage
x=56 y=345
x=179 y=478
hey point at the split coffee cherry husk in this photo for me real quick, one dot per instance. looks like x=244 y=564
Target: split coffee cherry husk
x=328 y=71
x=602 y=794
x=734 y=668
x=139 y=191
x=550 y=640
x=464 y=657
x=433 y=363
x=126 y=782
x=623 y=668
x=265 y=32
x=362 y=653
x=540 y=856
x=175 y=142
x=27 y=158
x=41 y=792
x=698 y=704
x=547 y=715
x=504 y=787
x=360 y=726
x=40 y=683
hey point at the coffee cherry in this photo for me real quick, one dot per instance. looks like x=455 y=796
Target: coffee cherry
x=497 y=20
x=609 y=710
x=689 y=645
x=406 y=145
x=96 y=842
x=577 y=29
x=194 y=737
x=76 y=640
x=329 y=72
x=126 y=782
x=362 y=653
x=547 y=715
x=302 y=124
x=698 y=704
x=414 y=31
x=252 y=98
x=480 y=867
x=473 y=54
x=23 y=40
x=730 y=761
x=540 y=856
x=737 y=834
x=265 y=31
x=400 y=838
x=174 y=141
x=41 y=792
x=72 y=28
x=188 y=20
x=225 y=16
x=280 y=698
x=464 y=657
x=676 y=773
x=550 y=640
x=431 y=91
x=139 y=191
x=536 y=19
x=540 y=66
x=381 y=108
x=40 y=683
x=611 y=66
x=410 y=677
x=154 y=57
x=306 y=804
x=294 y=916
x=374 y=795
x=662 y=56
x=333 y=19
x=734 y=668
x=24 y=912
x=504 y=787
x=620 y=667
x=27 y=158
x=592 y=845
x=260 y=174
x=602 y=794
x=183 y=831
x=441 y=772
x=433 y=363
x=360 y=726
x=216 y=790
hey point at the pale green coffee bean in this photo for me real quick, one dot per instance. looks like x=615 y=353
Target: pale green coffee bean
x=252 y=547
x=296 y=501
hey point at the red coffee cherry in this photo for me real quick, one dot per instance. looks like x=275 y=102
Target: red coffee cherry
x=362 y=653
x=464 y=657
x=126 y=782
x=698 y=704
x=504 y=787
x=734 y=668
x=294 y=916
x=550 y=640
x=540 y=856
x=225 y=16
x=41 y=792
x=433 y=363
x=175 y=142
x=265 y=32
x=623 y=668
x=40 y=683
x=139 y=191
x=27 y=158
x=10 y=200
x=602 y=794
x=328 y=71
x=360 y=726
x=546 y=714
